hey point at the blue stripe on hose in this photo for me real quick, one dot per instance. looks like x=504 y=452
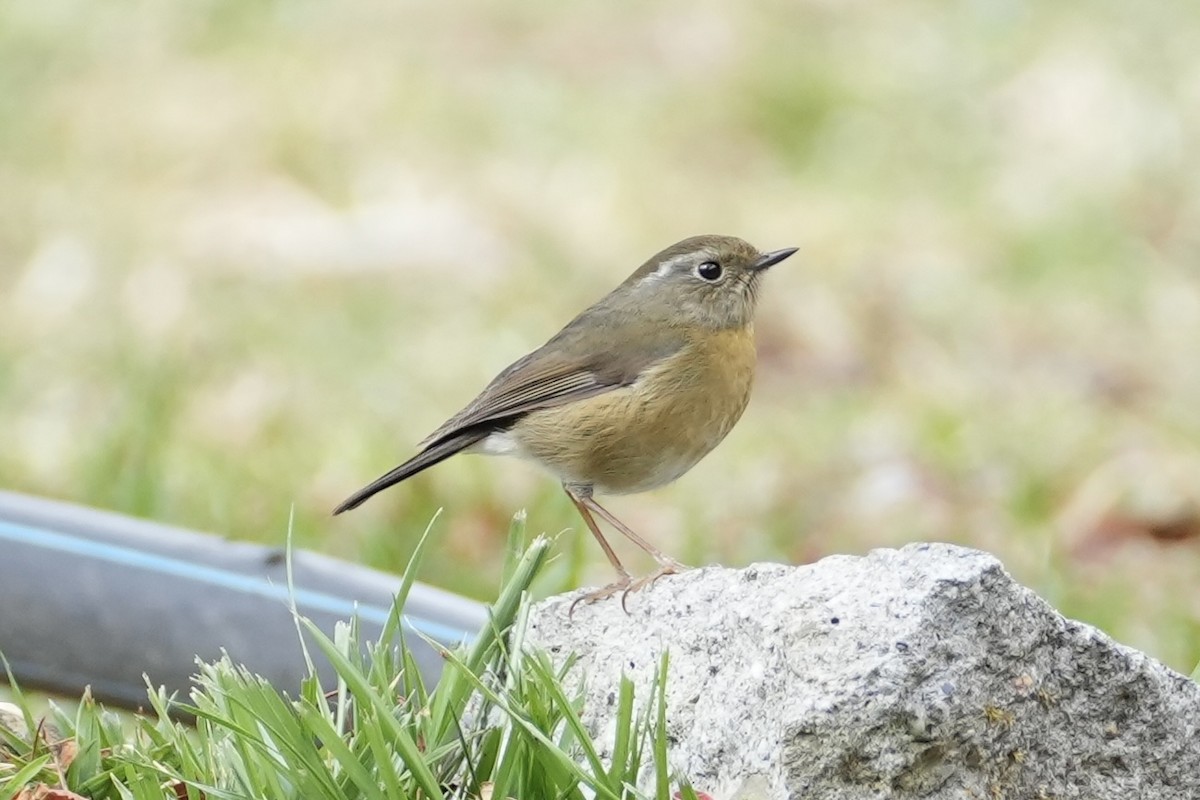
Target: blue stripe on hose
x=320 y=601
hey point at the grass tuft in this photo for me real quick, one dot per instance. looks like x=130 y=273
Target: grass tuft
x=502 y=722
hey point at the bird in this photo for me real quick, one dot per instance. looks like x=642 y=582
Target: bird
x=628 y=396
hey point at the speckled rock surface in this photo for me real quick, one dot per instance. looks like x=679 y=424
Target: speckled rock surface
x=925 y=672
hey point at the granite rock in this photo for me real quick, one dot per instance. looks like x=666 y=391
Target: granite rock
x=924 y=672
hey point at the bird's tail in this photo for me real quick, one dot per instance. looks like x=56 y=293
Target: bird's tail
x=426 y=458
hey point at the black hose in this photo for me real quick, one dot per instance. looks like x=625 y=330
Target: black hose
x=92 y=598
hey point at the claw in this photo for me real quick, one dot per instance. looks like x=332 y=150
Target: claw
x=665 y=567
x=602 y=593
x=627 y=585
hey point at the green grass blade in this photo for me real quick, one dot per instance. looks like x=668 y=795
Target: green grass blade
x=342 y=754
x=365 y=695
x=552 y=750
x=383 y=760
x=662 y=779
x=392 y=625
x=540 y=667
x=514 y=546
x=453 y=689
x=18 y=697
x=626 y=731
x=23 y=776
x=288 y=551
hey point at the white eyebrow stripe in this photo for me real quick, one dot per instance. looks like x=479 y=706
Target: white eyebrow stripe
x=665 y=268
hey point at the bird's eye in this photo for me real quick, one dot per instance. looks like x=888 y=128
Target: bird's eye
x=709 y=271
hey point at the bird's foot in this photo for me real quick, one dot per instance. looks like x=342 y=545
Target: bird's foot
x=666 y=566
x=621 y=585
x=626 y=585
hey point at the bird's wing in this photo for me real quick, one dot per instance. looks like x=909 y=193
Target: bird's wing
x=571 y=366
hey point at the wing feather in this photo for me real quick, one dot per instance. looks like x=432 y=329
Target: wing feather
x=567 y=368
x=579 y=362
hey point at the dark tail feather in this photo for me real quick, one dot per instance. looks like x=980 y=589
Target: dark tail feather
x=426 y=458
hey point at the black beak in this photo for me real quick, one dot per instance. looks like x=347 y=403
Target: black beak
x=772 y=258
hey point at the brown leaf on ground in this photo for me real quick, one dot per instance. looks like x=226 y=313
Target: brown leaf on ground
x=1143 y=495
x=1115 y=529
x=64 y=751
x=181 y=791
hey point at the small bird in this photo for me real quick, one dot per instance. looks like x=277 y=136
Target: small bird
x=629 y=395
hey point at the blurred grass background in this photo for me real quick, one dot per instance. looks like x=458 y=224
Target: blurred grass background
x=252 y=252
